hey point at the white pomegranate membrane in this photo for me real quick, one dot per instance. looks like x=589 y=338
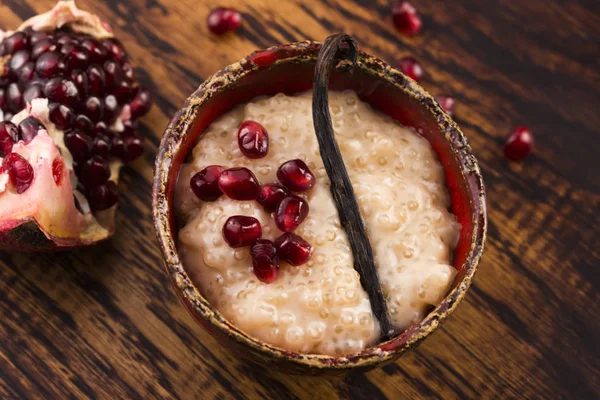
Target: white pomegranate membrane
x=320 y=307
x=64 y=70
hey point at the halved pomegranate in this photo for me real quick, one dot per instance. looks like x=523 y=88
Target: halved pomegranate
x=69 y=103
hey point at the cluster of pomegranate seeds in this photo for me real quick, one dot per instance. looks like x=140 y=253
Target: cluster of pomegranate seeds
x=519 y=144
x=447 y=103
x=289 y=210
x=222 y=20
x=406 y=18
x=87 y=83
x=411 y=67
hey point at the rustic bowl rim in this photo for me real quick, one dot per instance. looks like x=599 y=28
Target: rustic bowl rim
x=179 y=127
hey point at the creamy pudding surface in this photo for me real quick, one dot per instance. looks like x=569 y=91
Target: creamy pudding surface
x=320 y=307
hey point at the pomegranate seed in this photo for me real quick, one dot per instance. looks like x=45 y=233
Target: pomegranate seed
x=25 y=73
x=270 y=195
x=409 y=66
x=63 y=91
x=113 y=74
x=293 y=249
x=77 y=58
x=253 y=139
x=35 y=91
x=115 y=50
x=57 y=170
x=134 y=148
x=80 y=80
x=84 y=124
x=42 y=47
x=94 y=172
x=405 y=16
x=239 y=184
x=205 y=184
x=141 y=103
x=291 y=212
x=61 y=116
x=96 y=80
x=15 y=42
x=264 y=260
x=49 y=65
x=222 y=20
x=39 y=36
x=447 y=103
x=19 y=171
x=128 y=71
x=3 y=103
x=97 y=52
x=240 y=231
x=101 y=146
x=101 y=129
x=519 y=143
x=123 y=92
x=14 y=97
x=117 y=147
x=79 y=144
x=296 y=176
x=103 y=196
x=28 y=129
x=94 y=109
x=19 y=59
x=9 y=135
x=111 y=109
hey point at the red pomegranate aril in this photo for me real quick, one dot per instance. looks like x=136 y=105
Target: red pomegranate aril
x=19 y=59
x=96 y=80
x=134 y=148
x=128 y=71
x=111 y=109
x=29 y=128
x=447 y=103
x=141 y=103
x=63 y=38
x=410 y=66
x=19 y=171
x=14 y=97
x=79 y=144
x=101 y=146
x=113 y=74
x=296 y=176
x=240 y=231
x=57 y=170
x=117 y=147
x=80 y=80
x=405 y=17
x=519 y=144
x=84 y=124
x=34 y=91
x=114 y=50
x=129 y=127
x=222 y=20
x=15 y=42
x=97 y=52
x=293 y=249
x=264 y=260
x=253 y=139
x=123 y=92
x=103 y=196
x=61 y=116
x=25 y=73
x=270 y=195
x=205 y=184
x=290 y=213
x=49 y=65
x=239 y=184
x=9 y=135
x=94 y=109
x=100 y=129
x=42 y=47
x=3 y=103
x=63 y=91
x=94 y=172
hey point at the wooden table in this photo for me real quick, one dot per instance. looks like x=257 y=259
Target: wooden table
x=103 y=322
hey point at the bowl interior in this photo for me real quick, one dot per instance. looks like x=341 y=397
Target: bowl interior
x=268 y=73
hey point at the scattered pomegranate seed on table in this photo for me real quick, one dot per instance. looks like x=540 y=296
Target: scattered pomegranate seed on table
x=253 y=140
x=205 y=184
x=406 y=18
x=295 y=175
x=222 y=20
x=239 y=184
x=519 y=143
x=447 y=103
x=264 y=260
x=291 y=212
x=270 y=195
x=240 y=231
x=411 y=67
x=293 y=249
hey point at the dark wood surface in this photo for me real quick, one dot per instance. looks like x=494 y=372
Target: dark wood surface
x=103 y=322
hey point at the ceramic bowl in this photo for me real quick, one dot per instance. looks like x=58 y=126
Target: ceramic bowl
x=289 y=69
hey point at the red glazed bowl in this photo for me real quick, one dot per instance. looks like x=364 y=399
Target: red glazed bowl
x=289 y=69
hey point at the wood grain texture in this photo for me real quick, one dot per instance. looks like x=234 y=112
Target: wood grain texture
x=103 y=322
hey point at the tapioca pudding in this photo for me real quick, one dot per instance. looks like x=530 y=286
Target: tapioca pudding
x=261 y=237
